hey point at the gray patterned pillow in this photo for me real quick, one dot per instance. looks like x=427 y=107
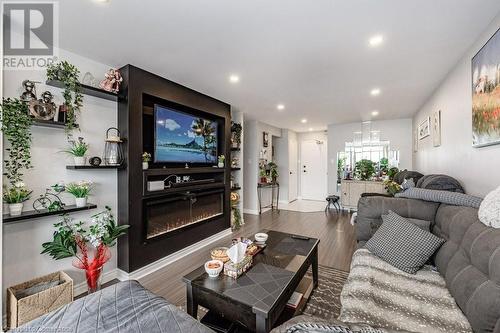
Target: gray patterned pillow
x=403 y=244
x=446 y=197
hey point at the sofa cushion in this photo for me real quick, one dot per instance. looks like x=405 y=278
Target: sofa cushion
x=469 y=260
x=403 y=244
x=370 y=210
x=383 y=296
x=440 y=182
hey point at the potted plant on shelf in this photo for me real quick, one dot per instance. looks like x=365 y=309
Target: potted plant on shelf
x=16 y=123
x=236 y=130
x=263 y=176
x=68 y=74
x=78 y=150
x=81 y=191
x=220 y=161
x=364 y=169
x=15 y=198
x=273 y=171
x=146 y=158
x=75 y=239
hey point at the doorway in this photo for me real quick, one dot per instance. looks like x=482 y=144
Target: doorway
x=313 y=169
x=292 y=165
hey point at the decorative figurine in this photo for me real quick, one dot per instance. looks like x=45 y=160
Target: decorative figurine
x=112 y=80
x=44 y=108
x=95 y=161
x=29 y=93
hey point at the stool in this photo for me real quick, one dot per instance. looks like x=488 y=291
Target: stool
x=332 y=200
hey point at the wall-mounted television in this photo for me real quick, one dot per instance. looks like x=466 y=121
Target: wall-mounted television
x=183 y=138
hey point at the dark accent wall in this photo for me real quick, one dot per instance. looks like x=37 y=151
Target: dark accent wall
x=133 y=250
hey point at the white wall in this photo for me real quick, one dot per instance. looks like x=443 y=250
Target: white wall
x=253 y=143
x=282 y=146
x=476 y=168
x=398 y=132
x=22 y=241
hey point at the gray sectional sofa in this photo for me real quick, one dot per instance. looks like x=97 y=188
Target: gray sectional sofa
x=469 y=260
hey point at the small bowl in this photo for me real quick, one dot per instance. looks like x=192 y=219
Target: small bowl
x=214 y=267
x=261 y=237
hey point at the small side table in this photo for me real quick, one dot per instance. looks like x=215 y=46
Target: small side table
x=275 y=191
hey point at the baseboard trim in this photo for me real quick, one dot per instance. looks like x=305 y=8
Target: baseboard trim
x=153 y=267
x=251 y=211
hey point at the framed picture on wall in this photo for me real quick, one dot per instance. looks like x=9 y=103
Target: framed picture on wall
x=436 y=129
x=486 y=94
x=424 y=129
x=265 y=139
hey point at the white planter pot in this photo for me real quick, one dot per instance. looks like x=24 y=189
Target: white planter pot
x=80 y=160
x=16 y=209
x=145 y=165
x=81 y=202
x=220 y=165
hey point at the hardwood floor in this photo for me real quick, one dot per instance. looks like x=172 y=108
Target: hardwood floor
x=337 y=244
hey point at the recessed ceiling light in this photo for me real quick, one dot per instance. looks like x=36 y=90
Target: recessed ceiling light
x=376 y=40
x=280 y=107
x=375 y=92
x=303 y=121
x=233 y=78
x=101 y=0
x=310 y=129
x=374 y=113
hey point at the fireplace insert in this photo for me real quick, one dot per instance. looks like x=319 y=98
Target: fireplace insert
x=181 y=210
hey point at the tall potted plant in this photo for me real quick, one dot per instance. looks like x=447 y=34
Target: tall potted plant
x=88 y=244
x=16 y=123
x=68 y=74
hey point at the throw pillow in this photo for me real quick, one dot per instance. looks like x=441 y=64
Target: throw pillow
x=489 y=211
x=403 y=244
x=408 y=183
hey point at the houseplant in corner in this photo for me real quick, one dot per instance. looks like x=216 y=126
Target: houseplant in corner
x=15 y=198
x=89 y=245
x=81 y=191
x=78 y=150
x=236 y=130
x=16 y=123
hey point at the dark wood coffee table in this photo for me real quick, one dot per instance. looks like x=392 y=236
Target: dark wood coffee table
x=257 y=298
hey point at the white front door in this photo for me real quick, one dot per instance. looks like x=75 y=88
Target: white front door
x=313 y=169
x=292 y=164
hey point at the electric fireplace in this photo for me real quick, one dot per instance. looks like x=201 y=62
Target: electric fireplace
x=180 y=210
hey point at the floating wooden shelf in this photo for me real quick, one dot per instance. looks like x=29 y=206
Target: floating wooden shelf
x=89 y=167
x=235 y=149
x=49 y=123
x=33 y=214
x=235 y=169
x=88 y=90
x=235 y=188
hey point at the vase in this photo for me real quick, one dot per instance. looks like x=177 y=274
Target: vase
x=220 y=165
x=80 y=160
x=93 y=276
x=16 y=209
x=81 y=202
x=145 y=165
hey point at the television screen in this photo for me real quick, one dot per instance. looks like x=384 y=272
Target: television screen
x=183 y=138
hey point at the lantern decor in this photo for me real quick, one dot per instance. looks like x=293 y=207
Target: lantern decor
x=113 y=154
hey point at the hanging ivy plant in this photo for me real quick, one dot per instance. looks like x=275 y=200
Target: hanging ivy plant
x=68 y=74
x=16 y=123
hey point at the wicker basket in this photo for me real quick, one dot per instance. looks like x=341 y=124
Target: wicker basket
x=23 y=310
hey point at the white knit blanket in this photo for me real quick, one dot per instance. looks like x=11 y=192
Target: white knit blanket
x=381 y=295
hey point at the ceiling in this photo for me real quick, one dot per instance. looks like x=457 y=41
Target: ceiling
x=311 y=56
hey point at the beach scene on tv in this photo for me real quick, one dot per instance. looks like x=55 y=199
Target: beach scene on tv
x=183 y=138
